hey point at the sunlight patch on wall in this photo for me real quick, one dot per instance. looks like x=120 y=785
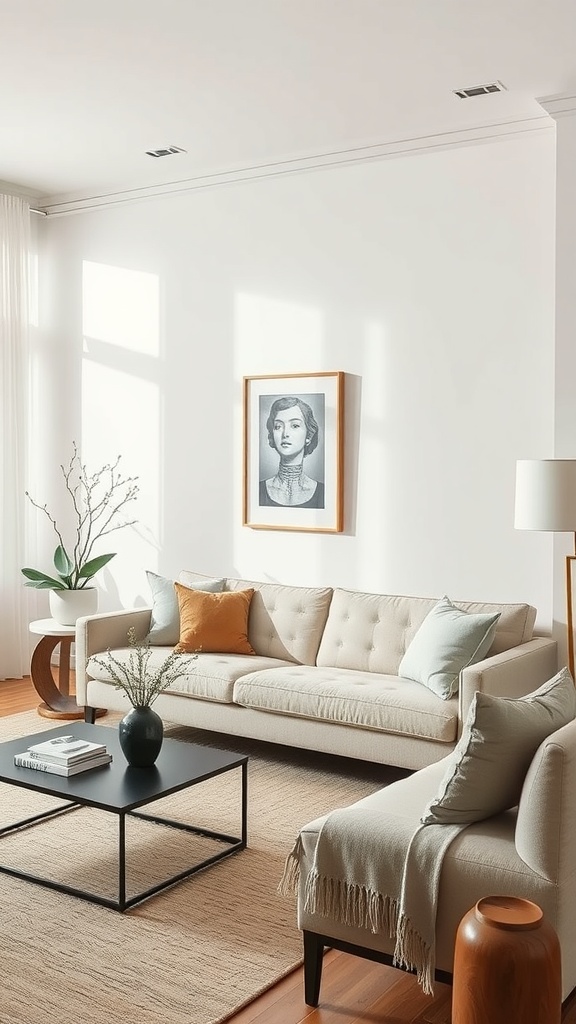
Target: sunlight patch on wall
x=274 y=337
x=121 y=413
x=121 y=307
x=127 y=426
x=281 y=337
x=374 y=464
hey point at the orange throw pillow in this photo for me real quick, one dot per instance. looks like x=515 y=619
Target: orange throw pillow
x=214 y=623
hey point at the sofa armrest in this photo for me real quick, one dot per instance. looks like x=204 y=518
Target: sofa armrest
x=96 y=633
x=513 y=673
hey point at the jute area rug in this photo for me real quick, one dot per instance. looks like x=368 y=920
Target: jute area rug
x=194 y=954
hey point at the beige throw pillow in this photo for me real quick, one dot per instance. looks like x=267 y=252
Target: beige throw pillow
x=486 y=770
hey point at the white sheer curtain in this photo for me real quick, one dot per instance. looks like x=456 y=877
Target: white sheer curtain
x=14 y=407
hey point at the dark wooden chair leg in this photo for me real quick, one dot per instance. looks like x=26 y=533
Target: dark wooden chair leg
x=313 y=953
x=90 y=715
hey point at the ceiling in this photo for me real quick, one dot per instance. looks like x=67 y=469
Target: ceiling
x=87 y=88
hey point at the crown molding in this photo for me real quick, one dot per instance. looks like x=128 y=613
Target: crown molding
x=561 y=105
x=9 y=188
x=59 y=206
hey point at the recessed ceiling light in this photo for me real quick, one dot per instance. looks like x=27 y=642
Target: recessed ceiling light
x=165 y=151
x=479 y=90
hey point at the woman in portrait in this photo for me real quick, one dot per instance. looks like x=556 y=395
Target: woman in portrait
x=293 y=433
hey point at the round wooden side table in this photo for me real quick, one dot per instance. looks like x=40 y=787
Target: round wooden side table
x=56 y=700
x=507 y=965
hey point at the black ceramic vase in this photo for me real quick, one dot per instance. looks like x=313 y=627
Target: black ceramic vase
x=141 y=732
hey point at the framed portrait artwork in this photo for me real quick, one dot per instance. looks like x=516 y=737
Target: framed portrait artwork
x=293 y=452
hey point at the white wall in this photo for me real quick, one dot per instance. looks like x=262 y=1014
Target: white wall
x=565 y=306
x=429 y=280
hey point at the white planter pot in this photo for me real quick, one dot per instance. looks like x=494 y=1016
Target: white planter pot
x=68 y=605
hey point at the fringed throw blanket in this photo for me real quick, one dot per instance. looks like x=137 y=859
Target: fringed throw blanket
x=380 y=873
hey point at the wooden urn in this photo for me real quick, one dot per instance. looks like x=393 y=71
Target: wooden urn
x=506 y=965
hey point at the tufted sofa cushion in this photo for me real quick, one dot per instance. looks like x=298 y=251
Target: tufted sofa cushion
x=372 y=632
x=385 y=703
x=284 y=622
x=211 y=676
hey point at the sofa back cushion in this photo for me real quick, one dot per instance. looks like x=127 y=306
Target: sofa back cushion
x=371 y=632
x=284 y=622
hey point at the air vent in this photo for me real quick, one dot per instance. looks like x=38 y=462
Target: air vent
x=166 y=151
x=479 y=90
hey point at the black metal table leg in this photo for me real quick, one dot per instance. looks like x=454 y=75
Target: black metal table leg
x=121 y=862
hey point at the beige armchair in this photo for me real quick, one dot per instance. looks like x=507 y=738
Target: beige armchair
x=529 y=851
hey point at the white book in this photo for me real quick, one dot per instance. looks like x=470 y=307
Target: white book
x=66 y=750
x=26 y=760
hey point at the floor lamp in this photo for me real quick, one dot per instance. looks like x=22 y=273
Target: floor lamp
x=546 y=500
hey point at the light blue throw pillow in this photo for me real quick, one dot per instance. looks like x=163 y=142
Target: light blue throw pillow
x=165 y=620
x=448 y=640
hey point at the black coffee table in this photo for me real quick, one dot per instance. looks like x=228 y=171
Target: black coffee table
x=120 y=789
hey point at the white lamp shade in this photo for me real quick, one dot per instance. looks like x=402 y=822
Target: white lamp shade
x=546 y=495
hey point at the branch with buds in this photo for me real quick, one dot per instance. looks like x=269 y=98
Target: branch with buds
x=140 y=683
x=99 y=501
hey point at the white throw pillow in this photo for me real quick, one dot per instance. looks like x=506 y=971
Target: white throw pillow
x=165 y=620
x=448 y=640
x=501 y=735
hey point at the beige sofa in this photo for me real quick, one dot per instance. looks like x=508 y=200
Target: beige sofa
x=527 y=851
x=325 y=673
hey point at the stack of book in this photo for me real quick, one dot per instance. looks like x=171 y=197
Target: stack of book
x=64 y=755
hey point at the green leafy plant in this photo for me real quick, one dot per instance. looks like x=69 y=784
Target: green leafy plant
x=99 y=500
x=141 y=684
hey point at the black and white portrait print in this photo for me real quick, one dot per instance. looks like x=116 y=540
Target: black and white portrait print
x=291 y=471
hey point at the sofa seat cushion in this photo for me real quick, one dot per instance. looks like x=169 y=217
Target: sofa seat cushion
x=362 y=699
x=404 y=798
x=211 y=676
x=482 y=858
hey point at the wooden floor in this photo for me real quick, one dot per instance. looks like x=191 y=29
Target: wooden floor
x=17 y=695
x=354 y=991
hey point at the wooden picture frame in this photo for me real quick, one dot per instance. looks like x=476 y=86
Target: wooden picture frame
x=293 y=452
